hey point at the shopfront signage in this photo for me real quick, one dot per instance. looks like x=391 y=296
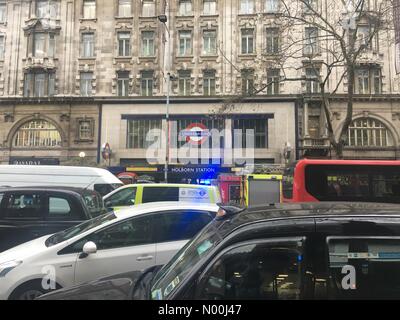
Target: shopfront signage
x=32 y=161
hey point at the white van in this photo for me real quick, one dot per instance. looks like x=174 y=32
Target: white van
x=96 y=179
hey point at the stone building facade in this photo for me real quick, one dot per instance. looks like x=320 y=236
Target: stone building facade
x=76 y=74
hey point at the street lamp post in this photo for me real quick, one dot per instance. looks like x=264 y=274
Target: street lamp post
x=163 y=19
x=167 y=130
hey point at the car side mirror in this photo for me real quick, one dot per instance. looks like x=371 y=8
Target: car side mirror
x=108 y=204
x=89 y=248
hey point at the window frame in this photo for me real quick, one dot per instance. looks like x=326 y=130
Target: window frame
x=88 y=45
x=86 y=85
x=247 y=41
x=124 y=44
x=3 y=12
x=199 y=277
x=161 y=214
x=185 y=43
x=87 y=7
x=185 y=8
x=121 y=8
x=327 y=256
x=209 y=4
x=148 y=43
x=209 y=42
x=43 y=207
x=92 y=235
x=249 y=6
x=123 y=87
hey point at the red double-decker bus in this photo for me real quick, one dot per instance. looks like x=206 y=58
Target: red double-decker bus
x=310 y=180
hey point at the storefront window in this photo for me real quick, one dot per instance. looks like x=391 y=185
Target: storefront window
x=138 y=130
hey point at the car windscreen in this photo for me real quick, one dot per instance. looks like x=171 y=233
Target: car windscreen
x=79 y=229
x=106 y=188
x=376 y=183
x=94 y=203
x=173 y=273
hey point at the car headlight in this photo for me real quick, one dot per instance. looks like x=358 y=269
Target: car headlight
x=6 y=267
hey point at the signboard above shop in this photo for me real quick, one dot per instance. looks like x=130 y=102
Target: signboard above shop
x=33 y=161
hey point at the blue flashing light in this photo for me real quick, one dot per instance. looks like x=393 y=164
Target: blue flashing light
x=299 y=258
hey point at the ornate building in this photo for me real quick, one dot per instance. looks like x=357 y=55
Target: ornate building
x=76 y=74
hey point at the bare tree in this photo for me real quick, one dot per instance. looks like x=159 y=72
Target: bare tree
x=328 y=40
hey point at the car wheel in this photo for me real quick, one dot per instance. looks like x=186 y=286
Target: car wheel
x=28 y=291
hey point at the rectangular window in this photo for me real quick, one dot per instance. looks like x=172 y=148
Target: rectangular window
x=124 y=44
x=247 y=81
x=314 y=125
x=123 y=83
x=247 y=41
x=253 y=131
x=273 y=77
x=185 y=43
x=312 y=80
x=137 y=131
x=124 y=8
x=40 y=79
x=310 y=6
x=51 y=84
x=363 y=34
x=311 y=41
x=149 y=8
x=87 y=45
x=2 y=47
x=39 y=40
x=184 y=82
x=368 y=81
x=209 y=7
x=147 y=83
x=209 y=83
x=363 y=81
x=89 y=9
x=85 y=130
x=52 y=45
x=271 y=6
x=39 y=84
x=185 y=7
x=42 y=8
x=24 y=206
x=246 y=6
x=377 y=79
x=376 y=266
x=3 y=12
x=209 y=42
x=148 y=43
x=86 y=83
x=272 y=40
x=47 y=8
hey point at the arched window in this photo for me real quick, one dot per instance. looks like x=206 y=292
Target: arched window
x=368 y=132
x=37 y=134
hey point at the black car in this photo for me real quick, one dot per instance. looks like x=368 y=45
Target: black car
x=288 y=251
x=31 y=212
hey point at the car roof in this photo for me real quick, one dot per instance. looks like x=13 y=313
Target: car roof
x=312 y=210
x=163 y=205
x=45 y=188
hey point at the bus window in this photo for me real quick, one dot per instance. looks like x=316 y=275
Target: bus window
x=353 y=183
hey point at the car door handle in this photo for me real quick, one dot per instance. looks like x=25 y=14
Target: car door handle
x=143 y=258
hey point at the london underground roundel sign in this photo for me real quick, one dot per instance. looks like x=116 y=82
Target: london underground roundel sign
x=196 y=133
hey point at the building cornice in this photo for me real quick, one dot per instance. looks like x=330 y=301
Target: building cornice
x=192 y=99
